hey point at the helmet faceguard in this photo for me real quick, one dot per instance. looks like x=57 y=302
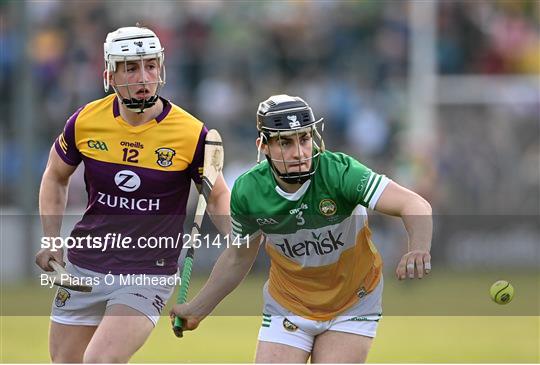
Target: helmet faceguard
x=285 y=116
x=130 y=44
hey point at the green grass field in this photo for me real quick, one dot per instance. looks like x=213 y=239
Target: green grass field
x=461 y=325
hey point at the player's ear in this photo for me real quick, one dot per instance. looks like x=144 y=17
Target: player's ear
x=263 y=147
x=110 y=76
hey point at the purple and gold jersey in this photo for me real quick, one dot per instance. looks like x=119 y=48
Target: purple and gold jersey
x=137 y=180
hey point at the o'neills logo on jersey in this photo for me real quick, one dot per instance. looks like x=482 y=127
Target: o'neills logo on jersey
x=322 y=244
x=132 y=144
x=294 y=211
x=165 y=156
x=142 y=205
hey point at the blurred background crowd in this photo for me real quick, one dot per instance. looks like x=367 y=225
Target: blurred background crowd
x=349 y=59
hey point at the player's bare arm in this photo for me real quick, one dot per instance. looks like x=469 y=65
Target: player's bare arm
x=218 y=207
x=98 y=330
x=52 y=203
x=415 y=212
x=230 y=269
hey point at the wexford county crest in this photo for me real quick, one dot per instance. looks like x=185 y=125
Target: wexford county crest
x=327 y=207
x=165 y=156
x=62 y=295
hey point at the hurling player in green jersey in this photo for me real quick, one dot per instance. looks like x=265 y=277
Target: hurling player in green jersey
x=323 y=296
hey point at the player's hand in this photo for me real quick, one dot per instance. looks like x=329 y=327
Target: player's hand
x=45 y=255
x=190 y=321
x=416 y=263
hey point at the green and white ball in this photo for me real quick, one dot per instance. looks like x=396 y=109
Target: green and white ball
x=502 y=292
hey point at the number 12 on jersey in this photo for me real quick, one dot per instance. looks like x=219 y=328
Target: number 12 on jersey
x=130 y=155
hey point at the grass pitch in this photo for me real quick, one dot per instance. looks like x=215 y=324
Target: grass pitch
x=479 y=331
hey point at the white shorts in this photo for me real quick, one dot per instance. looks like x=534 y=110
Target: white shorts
x=279 y=325
x=87 y=309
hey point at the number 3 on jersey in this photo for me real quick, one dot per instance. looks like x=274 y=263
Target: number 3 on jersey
x=299 y=219
x=130 y=155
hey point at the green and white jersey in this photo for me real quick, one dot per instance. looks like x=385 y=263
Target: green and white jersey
x=318 y=240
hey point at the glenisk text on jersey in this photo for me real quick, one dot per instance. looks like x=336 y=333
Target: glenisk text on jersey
x=320 y=245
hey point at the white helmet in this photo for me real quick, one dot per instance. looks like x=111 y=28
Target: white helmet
x=133 y=44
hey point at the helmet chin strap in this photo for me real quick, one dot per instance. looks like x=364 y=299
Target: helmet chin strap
x=291 y=177
x=140 y=104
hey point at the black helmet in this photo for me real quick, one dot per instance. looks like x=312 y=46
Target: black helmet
x=284 y=115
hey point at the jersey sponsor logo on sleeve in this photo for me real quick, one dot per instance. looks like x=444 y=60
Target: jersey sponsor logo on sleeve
x=127 y=180
x=322 y=244
x=97 y=145
x=165 y=156
x=327 y=207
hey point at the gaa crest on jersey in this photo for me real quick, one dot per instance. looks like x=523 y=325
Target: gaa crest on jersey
x=62 y=295
x=266 y=221
x=327 y=207
x=165 y=156
x=97 y=145
x=289 y=326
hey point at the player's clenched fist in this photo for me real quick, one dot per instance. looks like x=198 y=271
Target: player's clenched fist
x=190 y=321
x=45 y=255
x=414 y=262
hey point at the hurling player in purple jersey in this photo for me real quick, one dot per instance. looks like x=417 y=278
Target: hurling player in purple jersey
x=140 y=153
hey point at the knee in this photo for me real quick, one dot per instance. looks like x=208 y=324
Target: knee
x=59 y=356
x=94 y=357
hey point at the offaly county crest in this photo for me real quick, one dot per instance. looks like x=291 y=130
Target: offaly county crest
x=327 y=207
x=289 y=326
x=165 y=156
